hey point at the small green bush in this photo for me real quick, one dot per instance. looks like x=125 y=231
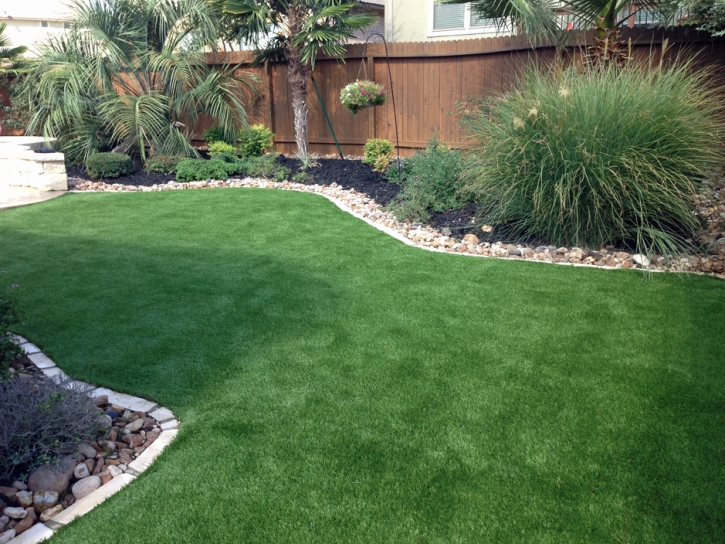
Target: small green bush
x=214 y=134
x=608 y=156
x=267 y=166
x=431 y=181
x=109 y=165
x=217 y=148
x=255 y=141
x=301 y=177
x=219 y=168
x=378 y=153
x=163 y=164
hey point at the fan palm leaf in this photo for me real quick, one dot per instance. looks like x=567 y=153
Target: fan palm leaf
x=132 y=74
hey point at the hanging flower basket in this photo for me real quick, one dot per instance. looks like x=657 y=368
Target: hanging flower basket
x=362 y=94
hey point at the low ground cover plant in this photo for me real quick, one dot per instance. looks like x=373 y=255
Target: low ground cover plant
x=378 y=153
x=41 y=419
x=109 y=165
x=255 y=141
x=163 y=164
x=223 y=165
x=431 y=181
x=607 y=156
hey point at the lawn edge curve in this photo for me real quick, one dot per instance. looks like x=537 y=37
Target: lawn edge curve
x=167 y=422
x=363 y=207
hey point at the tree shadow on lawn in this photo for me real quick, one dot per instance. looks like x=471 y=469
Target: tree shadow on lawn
x=336 y=385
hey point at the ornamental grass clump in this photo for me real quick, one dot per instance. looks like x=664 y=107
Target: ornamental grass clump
x=362 y=94
x=607 y=156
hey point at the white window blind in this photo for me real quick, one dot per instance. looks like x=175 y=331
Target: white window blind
x=477 y=20
x=447 y=16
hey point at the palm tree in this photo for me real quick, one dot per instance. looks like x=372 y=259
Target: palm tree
x=293 y=31
x=539 y=17
x=132 y=75
x=9 y=56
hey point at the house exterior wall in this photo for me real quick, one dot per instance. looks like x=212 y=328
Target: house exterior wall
x=412 y=21
x=25 y=20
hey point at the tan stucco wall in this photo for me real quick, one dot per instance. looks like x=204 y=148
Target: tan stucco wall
x=407 y=21
x=28 y=32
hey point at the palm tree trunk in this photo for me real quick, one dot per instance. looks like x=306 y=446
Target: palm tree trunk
x=297 y=77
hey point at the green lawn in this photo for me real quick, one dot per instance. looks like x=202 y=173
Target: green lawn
x=336 y=385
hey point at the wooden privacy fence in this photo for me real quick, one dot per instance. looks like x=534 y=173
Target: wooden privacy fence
x=429 y=79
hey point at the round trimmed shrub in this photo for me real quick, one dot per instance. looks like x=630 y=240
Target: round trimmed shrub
x=255 y=141
x=109 y=165
x=608 y=156
x=378 y=153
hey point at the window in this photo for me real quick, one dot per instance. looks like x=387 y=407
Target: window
x=44 y=24
x=458 y=19
x=648 y=18
x=66 y=26
x=447 y=16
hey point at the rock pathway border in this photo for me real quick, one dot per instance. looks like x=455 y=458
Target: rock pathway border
x=167 y=422
x=426 y=237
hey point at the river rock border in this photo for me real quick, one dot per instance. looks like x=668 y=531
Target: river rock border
x=426 y=237
x=165 y=419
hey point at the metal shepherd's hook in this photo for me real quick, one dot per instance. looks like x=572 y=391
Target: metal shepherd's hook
x=392 y=92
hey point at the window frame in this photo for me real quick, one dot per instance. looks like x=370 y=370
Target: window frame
x=467 y=28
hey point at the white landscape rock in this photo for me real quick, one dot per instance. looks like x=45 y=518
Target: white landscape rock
x=86 y=486
x=640 y=259
x=15 y=512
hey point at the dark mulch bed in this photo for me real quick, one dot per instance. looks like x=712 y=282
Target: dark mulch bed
x=349 y=174
x=139 y=178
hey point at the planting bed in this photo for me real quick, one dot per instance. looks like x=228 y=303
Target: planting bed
x=367 y=192
x=56 y=493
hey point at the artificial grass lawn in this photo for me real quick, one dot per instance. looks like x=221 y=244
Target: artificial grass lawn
x=338 y=386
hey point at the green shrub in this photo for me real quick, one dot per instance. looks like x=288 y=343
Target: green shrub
x=109 y=165
x=378 y=153
x=214 y=134
x=431 y=181
x=163 y=164
x=267 y=166
x=255 y=141
x=608 y=156
x=217 y=148
x=219 y=168
x=301 y=177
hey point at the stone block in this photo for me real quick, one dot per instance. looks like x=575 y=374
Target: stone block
x=41 y=360
x=54 y=167
x=37 y=533
x=162 y=414
x=135 y=404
